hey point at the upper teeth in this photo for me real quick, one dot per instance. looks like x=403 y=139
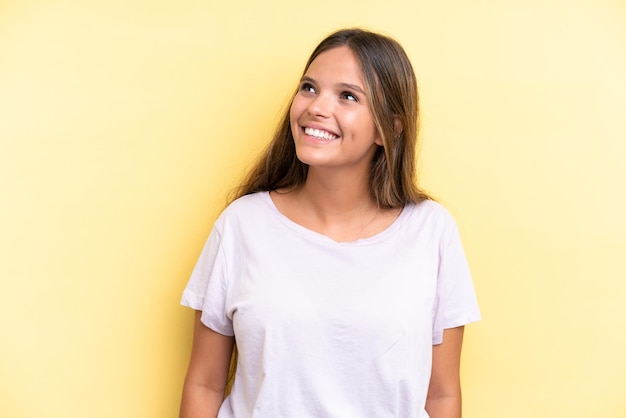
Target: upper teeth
x=319 y=134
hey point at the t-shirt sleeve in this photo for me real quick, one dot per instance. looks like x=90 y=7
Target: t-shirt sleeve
x=207 y=287
x=455 y=303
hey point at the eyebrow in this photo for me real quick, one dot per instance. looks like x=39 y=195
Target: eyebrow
x=348 y=86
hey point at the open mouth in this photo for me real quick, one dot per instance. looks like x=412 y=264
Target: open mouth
x=317 y=133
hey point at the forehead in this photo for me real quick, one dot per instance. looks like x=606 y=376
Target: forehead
x=338 y=64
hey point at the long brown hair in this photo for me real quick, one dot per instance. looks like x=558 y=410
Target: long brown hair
x=391 y=90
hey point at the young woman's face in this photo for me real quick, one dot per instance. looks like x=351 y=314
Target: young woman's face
x=331 y=120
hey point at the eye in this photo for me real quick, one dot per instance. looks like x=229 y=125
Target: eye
x=349 y=96
x=307 y=87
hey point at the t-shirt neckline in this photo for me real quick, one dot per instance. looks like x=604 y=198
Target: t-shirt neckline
x=324 y=238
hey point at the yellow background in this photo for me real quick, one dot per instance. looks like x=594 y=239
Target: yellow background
x=124 y=123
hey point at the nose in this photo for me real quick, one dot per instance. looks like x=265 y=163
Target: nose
x=320 y=106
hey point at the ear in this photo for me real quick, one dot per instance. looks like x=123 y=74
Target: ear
x=398 y=127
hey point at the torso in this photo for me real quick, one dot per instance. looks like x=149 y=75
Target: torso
x=326 y=328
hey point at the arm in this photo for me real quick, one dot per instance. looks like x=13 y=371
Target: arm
x=203 y=391
x=444 y=392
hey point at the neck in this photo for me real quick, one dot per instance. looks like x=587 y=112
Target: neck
x=337 y=195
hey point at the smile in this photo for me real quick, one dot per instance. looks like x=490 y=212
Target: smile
x=320 y=134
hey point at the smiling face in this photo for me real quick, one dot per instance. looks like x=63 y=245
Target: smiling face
x=330 y=117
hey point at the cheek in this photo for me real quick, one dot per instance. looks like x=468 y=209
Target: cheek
x=293 y=121
x=297 y=107
x=360 y=124
x=366 y=121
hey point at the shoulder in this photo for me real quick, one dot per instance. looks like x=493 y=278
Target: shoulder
x=430 y=211
x=246 y=210
x=432 y=216
x=245 y=204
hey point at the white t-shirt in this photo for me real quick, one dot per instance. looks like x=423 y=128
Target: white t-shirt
x=328 y=329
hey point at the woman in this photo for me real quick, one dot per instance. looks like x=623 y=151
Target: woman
x=344 y=285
